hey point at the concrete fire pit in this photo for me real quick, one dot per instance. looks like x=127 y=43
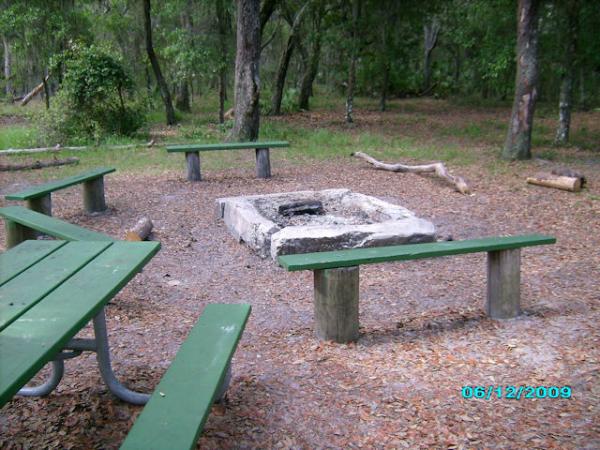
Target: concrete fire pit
x=312 y=221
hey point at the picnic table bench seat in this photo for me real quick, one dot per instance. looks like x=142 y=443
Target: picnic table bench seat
x=174 y=416
x=336 y=276
x=21 y=224
x=38 y=198
x=263 y=163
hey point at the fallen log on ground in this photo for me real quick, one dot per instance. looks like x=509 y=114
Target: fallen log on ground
x=140 y=231
x=36 y=90
x=38 y=164
x=571 y=184
x=438 y=168
x=57 y=148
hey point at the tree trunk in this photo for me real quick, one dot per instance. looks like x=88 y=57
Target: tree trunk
x=222 y=23
x=431 y=32
x=518 y=139
x=266 y=12
x=182 y=101
x=384 y=85
x=583 y=101
x=312 y=67
x=352 y=65
x=247 y=81
x=284 y=63
x=46 y=92
x=8 y=89
x=566 y=86
x=162 y=84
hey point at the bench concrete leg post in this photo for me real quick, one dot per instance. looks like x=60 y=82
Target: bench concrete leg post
x=336 y=304
x=224 y=385
x=193 y=166
x=103 y=357
x=93 y=195
x=504 y=284
x=17 y=233
x=263 y=163
x=41 y=204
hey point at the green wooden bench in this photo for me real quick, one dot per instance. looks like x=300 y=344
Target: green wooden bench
x=38 y=198
x=263 y=163
x=336 y=277
x=180 y=404
x=22 y=223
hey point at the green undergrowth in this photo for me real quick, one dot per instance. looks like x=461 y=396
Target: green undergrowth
x=462 y=144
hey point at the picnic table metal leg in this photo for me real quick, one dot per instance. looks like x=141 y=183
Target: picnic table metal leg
x=58 y=369
x=193 y=166
x=93 y=195
x=263 y=163
x=103 y=357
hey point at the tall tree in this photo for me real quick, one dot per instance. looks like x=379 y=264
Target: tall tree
x=354 y=34
x=518 y=139
x=431 y=32
x=182 y=98
x=162 y=84
x=223 y=19
x=311 y=61
x=568 y=72
x=247 y=80
x=284 y=61
x=7 y=67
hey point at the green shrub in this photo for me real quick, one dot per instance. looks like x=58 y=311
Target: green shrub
x=93 y=100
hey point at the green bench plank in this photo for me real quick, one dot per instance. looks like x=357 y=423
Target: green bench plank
x=51 y=226
x=355 y=257
x=25 y=290
x=38 y=191
x=24 y=256
x=178 y=408
x=29 y=342
x=225 y=146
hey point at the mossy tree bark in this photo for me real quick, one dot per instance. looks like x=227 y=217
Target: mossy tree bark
x=247 y=81
x=518 y=139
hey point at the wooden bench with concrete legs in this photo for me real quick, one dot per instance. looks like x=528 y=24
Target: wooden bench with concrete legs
x=336 y=277
x=174 y=416
x=263 y=163
x=22 y=223
x=38 y=198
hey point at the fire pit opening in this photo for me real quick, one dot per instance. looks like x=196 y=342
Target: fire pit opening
x=310 y=221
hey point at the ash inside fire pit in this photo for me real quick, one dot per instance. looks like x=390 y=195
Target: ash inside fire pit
x=309 y=221
x=299 y=208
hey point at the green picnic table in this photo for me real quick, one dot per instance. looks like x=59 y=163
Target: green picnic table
x=49 y=290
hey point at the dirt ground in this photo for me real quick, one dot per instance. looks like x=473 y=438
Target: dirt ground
x=424 y=333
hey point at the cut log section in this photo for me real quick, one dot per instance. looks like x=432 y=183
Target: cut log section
x=571 y=184
x=438 y=168
x=140 y=231
x=38 y=164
